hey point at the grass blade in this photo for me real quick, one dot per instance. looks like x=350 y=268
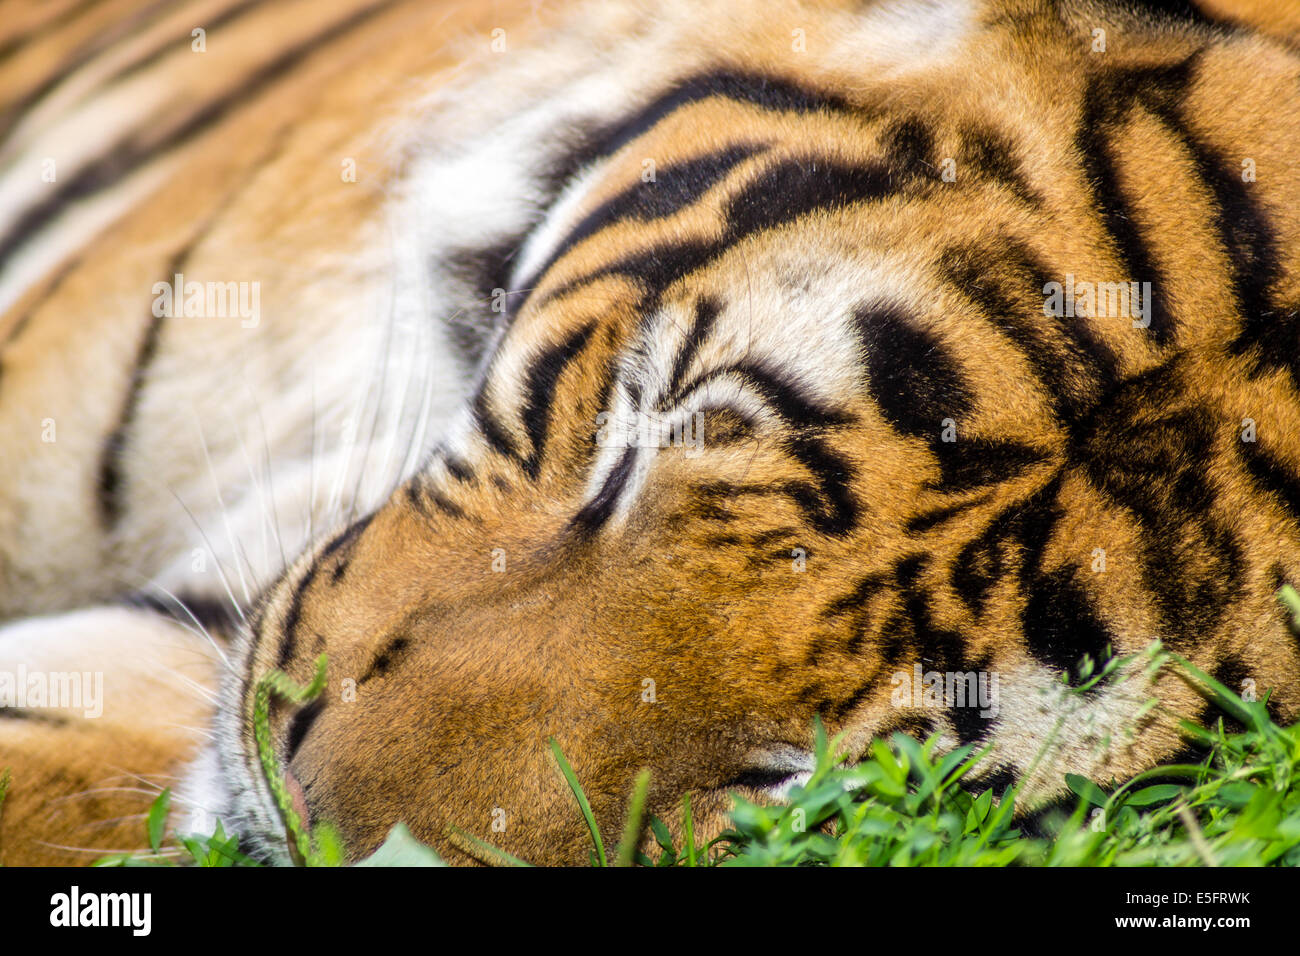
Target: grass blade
x=500 y=855
x=583 y=805
x=688 y=829
x=632 y=829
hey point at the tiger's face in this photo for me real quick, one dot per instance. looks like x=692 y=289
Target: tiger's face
x=741 y=475
x=636 y=540
x=615 y=553
x=778 y=422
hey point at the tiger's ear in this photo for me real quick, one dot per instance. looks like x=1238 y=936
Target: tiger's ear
x=112 y=704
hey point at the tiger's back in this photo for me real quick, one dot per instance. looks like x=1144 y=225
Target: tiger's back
x=984 y=318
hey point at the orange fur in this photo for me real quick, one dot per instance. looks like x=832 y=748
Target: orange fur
x=449 y=675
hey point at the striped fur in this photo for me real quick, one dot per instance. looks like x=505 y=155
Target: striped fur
x=820 y=241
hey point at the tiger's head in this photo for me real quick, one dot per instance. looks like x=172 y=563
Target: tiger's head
x=773 y=415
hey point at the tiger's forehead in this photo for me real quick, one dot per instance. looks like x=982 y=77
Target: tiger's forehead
x=783 y=236
x=496 y=187
x=793 y=206
x=788 y=298
x=740 y=155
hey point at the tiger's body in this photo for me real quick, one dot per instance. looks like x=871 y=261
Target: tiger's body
x=476 y=250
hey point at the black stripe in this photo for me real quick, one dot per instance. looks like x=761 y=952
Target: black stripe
x=759 y=779
x=41 y=31
x=596 y=512
x=862 y=592
x=181 y=41
x=458 y=469
x=1005 y=281
x=593 y=143
x=828 y=504
x=35 y=716
x=289 y=629
x=781 y=394
x=832 y=509
x=974 y=462
x=791 y=189
x=394 y=650
x=924 y=521
x=1250 y=241
x=712 y=511
x=21 y=323
x=491 y=427
x=655 y=268
x=111 y=479
x=992 y=156
x=756 y=89
x=728 y=490
x=110 y=489
x=1013 y=539
x=212 y=614
x=133 y=149
x=301 y=724
x=100 y=41
x=343 y=545
x=1061 y=626
x=912 y=723
x=539 y=388
x=1272 y=477
x=912 y=379
x=970 y=725
x=446 y=505
x=1178 y=11
x=910 y=145
x=105 y=38
x=781 y=194
x=1146 y=452
x=913 y=628
x=1244 y=229
x=999 y=780
x=1232 y=672
x=1107 y=100
x=980 y=564
x=706 y=314
x=482 y=270
x=1245 y=232
x=414 y=492
x=674 y=188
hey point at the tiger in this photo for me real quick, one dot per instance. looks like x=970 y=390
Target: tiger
x=651 y=382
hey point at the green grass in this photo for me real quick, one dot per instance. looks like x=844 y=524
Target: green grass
x=908 y=803
x=905 y=806
x=4 y=786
